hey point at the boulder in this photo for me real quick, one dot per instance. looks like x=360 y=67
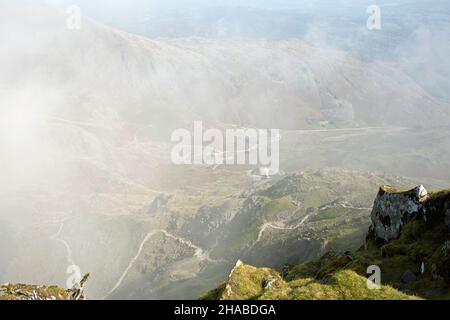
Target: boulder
x=408 y=277
x=392 y=210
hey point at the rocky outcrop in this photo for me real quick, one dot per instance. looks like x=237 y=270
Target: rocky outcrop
x=392 y=210
x=30 y=292
x=425 y=218
x=34 y=292
x=251 y=283
x=228 y=288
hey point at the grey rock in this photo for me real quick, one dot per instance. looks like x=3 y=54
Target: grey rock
x=435 y=272
x=392 y=210
x=267 y=283
x=447 y=218
x=446 y=249
x=408 y=277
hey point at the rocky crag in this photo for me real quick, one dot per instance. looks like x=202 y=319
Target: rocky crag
x=392 y=210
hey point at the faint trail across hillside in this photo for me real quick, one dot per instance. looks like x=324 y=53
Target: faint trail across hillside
x=131 y=263
x=271 y=225
x=64 y=243
x=199 y=253
x=347 y=206
x=343 y=205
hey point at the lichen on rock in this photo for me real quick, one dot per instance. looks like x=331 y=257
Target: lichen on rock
x=392 y=210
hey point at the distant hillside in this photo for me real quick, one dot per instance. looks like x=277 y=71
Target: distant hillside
x=289 y=219
x=408 y=240
x=116 y=80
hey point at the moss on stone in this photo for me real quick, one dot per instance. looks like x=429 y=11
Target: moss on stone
x=248 y=283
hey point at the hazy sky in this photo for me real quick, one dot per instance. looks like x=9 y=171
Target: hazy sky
x=121 y=9
x=414 y=33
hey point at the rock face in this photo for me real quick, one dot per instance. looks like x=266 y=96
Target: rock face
x=392 y=210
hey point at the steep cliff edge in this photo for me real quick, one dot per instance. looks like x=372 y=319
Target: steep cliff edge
x=408 y=240
x=249 y=283
x=414 y=225
x=392 y=210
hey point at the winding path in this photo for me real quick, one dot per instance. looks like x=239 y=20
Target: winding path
x=271 y=225
x=131 y=263
x=64 y=243
x=199 y=253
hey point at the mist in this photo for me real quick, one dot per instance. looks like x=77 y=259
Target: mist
x=87 y=113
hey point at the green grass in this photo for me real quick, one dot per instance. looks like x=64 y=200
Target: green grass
x=24 y=292
x=247 y=283
x=274 y=207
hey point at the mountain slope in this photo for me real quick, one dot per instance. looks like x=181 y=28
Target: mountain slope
x=125 y=78
x=250 y=283
x=290 y=219
x=416 y=260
